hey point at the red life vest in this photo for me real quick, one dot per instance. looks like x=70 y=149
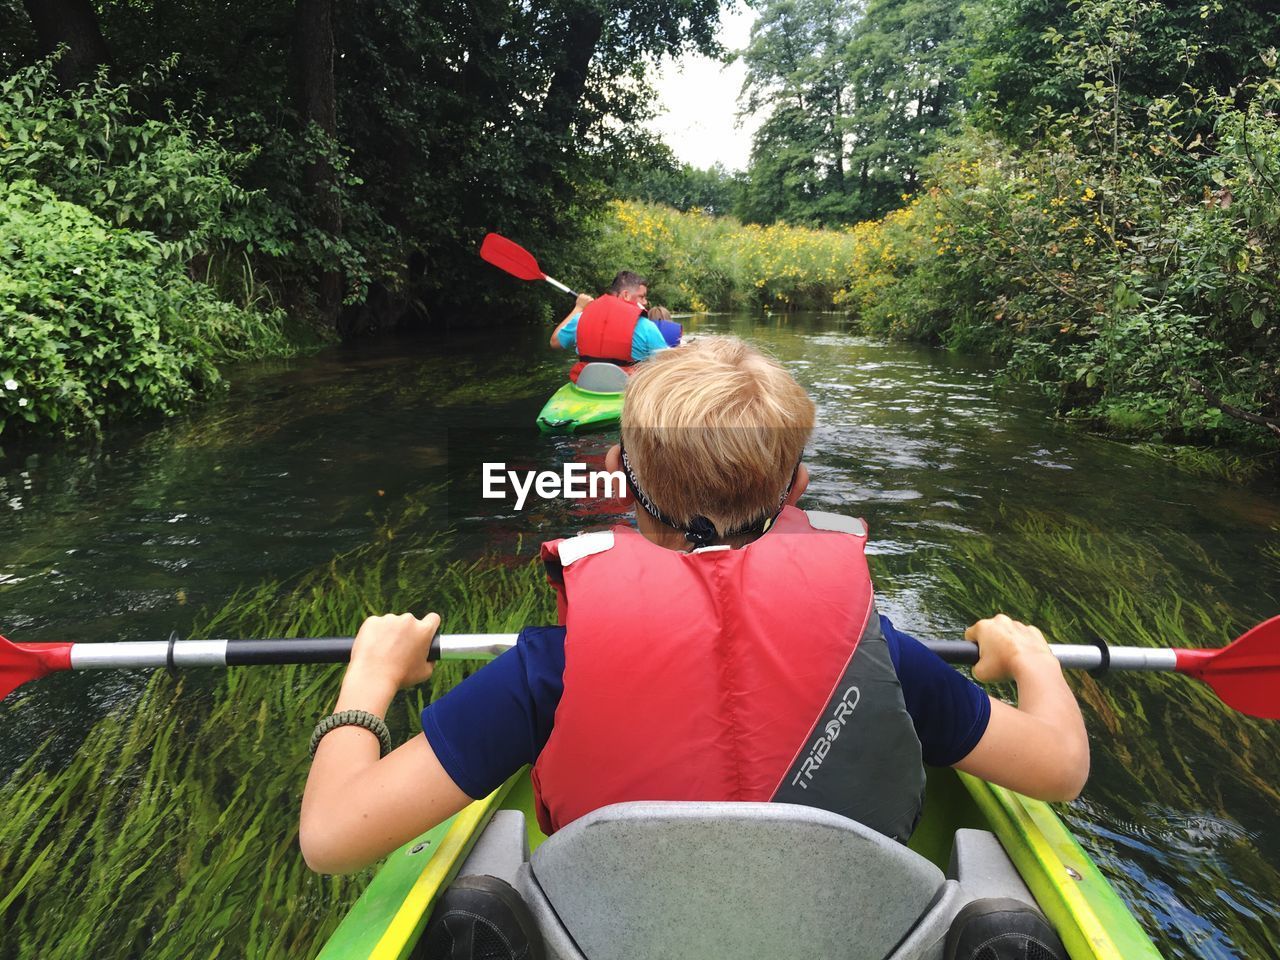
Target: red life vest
x=727 y=674
x=605 y=329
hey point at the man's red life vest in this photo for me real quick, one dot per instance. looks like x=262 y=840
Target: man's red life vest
x=605 y=329
x=751 y=674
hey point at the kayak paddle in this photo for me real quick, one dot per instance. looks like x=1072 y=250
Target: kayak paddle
x=516 y=260
x=23 y=662
x=1245 y=674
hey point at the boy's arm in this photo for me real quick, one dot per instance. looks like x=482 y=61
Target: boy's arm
x=1039 y=748
x=357 y=808
x=579 y=304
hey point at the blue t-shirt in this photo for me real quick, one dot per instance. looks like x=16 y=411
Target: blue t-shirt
x=499 y=718
x=645 y=341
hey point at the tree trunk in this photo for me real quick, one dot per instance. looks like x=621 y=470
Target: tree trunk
x=837 y=137
x=316 y=102
x=581 y=35
x=484 y=54
x=74 y=23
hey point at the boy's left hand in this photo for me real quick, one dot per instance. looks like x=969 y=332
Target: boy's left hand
x=394 y=648
x=1004 y=643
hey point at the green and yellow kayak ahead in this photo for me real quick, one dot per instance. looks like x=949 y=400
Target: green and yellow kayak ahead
x=974 y=832
x=592 y=402
x=572 y=409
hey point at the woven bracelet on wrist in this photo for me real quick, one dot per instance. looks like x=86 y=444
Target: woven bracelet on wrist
x=353 y=718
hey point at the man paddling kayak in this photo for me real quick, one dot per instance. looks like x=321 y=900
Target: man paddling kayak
x=612 y=327
x=728 y=648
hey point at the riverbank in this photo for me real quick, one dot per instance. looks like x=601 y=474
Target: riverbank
x=998 y=257
x=126 y=281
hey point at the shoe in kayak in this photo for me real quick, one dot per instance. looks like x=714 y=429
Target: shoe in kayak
x=780 y=881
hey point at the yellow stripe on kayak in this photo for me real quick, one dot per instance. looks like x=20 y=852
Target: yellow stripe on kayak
x=1094 y=923
x=404 y=928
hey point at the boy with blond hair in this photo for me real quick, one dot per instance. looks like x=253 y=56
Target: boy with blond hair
x=726 y=648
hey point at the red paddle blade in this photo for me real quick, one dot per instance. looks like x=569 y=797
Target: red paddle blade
x=511 y=257
x=1245 y=674
x=20 y=663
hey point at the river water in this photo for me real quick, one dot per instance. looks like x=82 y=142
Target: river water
x=977 y=501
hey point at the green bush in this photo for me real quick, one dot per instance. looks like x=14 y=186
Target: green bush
x=1127 y=262
x=694 y=260
x=92 y=146
x=98 y=321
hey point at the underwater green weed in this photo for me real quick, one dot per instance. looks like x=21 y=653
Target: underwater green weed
x=1165 y=749
x=172 y=832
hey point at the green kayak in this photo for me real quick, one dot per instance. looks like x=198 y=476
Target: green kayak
x=641 y=880
x=593 y=403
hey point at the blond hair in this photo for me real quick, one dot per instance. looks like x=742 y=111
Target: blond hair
x=715 y=429
x=659 y=313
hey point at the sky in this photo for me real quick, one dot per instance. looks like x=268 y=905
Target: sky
x=698 y=102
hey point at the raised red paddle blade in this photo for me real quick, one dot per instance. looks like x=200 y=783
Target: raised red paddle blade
x=20 y=663
x=511 y=257
x=1245 y=674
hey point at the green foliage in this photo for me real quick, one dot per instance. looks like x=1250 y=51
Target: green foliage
x=1015 y=72
x=697 y=261
x=99 y=321
x=93 y=147
x=451 y=121
x=661 y=179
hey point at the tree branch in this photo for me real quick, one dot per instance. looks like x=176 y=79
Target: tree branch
x=1229 y=410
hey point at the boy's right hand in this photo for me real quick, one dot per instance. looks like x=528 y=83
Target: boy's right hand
x=1002 y=644
x=393 y=649
x=583 y=300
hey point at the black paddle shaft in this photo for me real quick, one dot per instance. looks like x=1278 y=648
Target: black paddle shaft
x=246 y=653
x=242 y=653
x=954 y=651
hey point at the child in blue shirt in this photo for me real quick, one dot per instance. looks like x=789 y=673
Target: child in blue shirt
x=750 y=422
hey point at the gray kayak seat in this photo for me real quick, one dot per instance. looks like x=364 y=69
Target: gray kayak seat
x=663 y=881
x=602 y=378
x=737 y=880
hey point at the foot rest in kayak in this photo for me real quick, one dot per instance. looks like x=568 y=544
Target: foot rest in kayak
x=602 y=378
x=500 y=849
x=983 y=869
x=658 y=881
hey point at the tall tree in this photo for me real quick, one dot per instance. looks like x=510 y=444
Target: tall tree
x=315 y=100
x=73 y=24
x=856 y=96
x=907 y=61
x=797 y=71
